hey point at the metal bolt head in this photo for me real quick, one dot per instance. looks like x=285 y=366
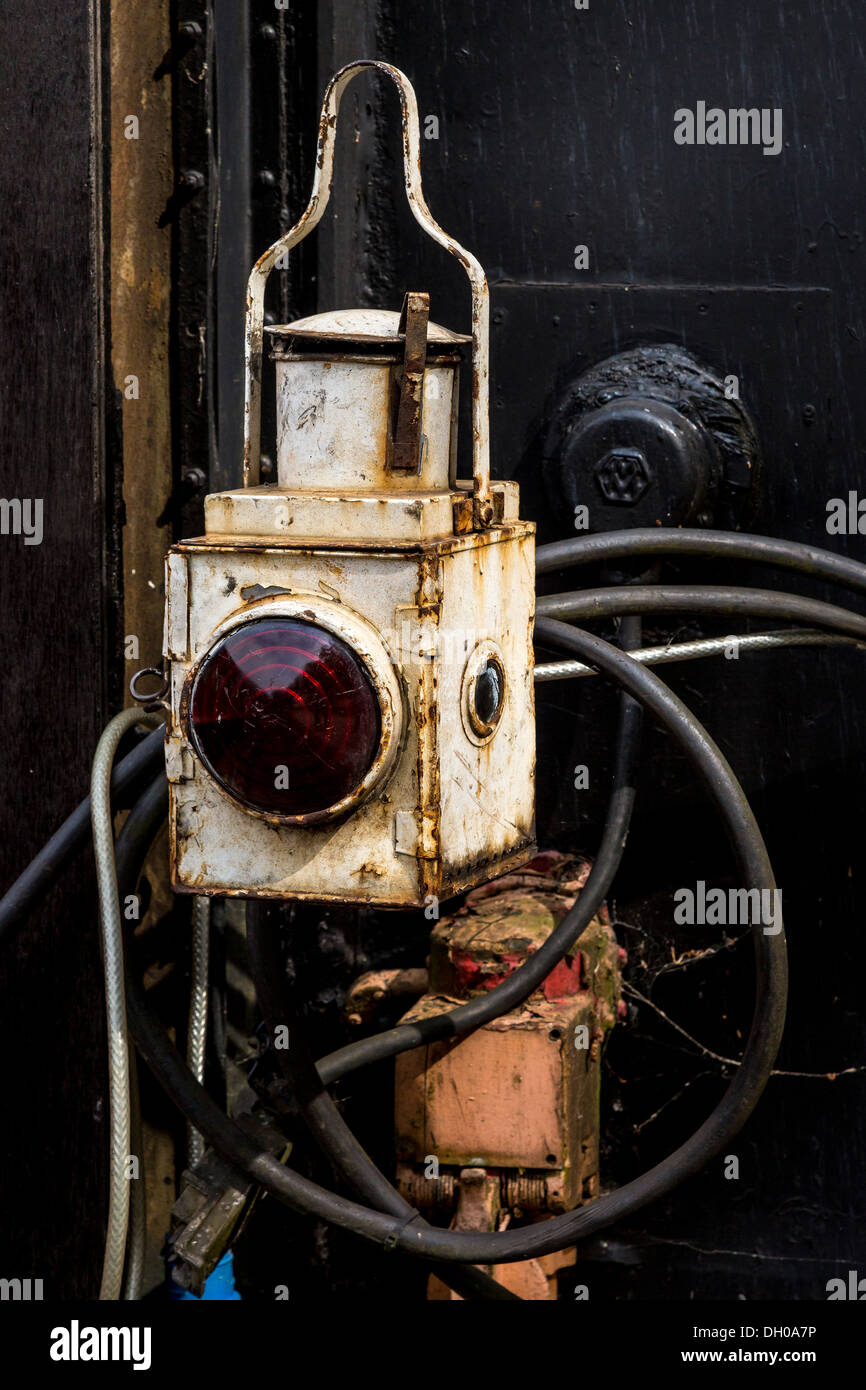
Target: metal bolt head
x=623 y=475
x=194 y=478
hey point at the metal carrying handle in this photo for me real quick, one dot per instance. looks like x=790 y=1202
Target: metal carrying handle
x=321 y=191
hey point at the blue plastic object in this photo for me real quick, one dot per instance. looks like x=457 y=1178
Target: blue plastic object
x=219 y=1285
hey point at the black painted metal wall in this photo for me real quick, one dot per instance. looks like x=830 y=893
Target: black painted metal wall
x=556 y=130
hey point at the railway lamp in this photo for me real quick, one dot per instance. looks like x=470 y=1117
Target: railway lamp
x=350 y=648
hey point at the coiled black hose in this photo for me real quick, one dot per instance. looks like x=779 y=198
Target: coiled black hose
x=726 y=1119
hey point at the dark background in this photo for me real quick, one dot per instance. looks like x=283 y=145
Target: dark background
x=555 y=129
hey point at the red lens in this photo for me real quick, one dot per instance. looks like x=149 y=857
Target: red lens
x=284 y=715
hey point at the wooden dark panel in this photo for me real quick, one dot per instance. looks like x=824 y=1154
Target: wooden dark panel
x=57 y=639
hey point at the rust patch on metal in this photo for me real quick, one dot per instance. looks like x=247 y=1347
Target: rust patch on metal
x=462 y=513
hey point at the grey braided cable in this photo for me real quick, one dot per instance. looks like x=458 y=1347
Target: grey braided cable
x=705 y=646
x=115 y=1002
x=197 y=1033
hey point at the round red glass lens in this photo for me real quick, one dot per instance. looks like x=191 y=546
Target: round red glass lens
x=285 y=716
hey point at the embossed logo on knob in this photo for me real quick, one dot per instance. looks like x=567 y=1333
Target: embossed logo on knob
x=623 y=475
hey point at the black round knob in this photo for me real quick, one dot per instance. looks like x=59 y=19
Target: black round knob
x=651 y=438
x=639 y=455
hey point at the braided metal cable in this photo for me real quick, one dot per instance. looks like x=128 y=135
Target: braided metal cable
x=705 y=646
x=197 y=1032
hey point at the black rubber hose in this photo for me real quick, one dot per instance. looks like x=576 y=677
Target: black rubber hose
x=43 y=872
x=721 y=545
x=319 y=1112
x=725 y=1120
x=588 y=604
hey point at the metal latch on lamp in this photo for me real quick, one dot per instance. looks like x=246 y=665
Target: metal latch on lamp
x=407 y=440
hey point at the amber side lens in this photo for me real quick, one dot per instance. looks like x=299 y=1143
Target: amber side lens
x=285 y=716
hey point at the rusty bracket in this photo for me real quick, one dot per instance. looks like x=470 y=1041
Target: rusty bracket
x=408 y=439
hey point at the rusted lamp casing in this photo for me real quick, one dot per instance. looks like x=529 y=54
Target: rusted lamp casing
x=367 y=535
